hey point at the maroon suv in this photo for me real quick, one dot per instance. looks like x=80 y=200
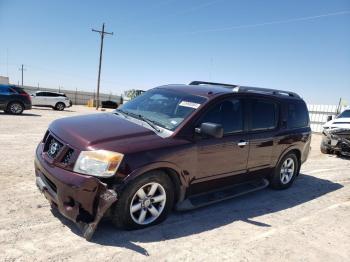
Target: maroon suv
x=175 y=146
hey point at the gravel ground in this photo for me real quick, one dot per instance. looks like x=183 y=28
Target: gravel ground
x=308 y=222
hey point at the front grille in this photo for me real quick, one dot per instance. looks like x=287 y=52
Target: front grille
x=68 y=156
x=52 y=146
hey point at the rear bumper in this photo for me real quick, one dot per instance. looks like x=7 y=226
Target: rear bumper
x=82 y=199
x=27 y=106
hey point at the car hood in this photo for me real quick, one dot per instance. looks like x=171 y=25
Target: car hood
x=343 y=122
x=102 y=131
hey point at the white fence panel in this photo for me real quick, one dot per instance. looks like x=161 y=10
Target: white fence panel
x=319 y=114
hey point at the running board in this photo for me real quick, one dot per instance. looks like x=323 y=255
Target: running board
x=212 y=197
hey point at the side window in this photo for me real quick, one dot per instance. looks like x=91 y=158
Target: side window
x=228 y=113
x=40 y=94
x=263 y=115
x=6 y=90
x=297 y=115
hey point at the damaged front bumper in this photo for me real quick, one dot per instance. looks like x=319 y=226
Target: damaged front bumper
x=337 y=141
x=82 y=199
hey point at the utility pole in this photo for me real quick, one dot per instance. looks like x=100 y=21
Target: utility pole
x=102 y=34
x=22 y=69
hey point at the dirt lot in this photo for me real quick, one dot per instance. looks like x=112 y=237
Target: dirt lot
x=308 y=222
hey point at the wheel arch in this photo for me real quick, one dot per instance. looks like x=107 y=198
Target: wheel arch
x=14 y=101
x=60 y=102
x=294 y=150
x=171 y=171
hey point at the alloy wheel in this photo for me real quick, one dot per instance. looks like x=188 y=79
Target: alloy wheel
x=287 y=171
x=148 y=203
x=15 y=108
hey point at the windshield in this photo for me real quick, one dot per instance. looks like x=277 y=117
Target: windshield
x=165 y=108
x=346 y=113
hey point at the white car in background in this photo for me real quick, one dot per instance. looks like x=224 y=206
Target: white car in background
x=340 y=121
x=57 y=101
x=335 y=138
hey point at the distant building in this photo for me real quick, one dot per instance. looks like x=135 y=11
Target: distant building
x=4 y=80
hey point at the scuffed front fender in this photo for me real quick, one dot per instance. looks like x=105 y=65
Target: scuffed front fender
x=106 y=199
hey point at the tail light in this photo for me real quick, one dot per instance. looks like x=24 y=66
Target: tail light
x=26 y=95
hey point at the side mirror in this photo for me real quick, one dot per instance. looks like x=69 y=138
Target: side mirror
x=211 y=129
x=329 y=118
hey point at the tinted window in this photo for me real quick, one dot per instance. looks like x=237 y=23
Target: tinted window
x=264 y=115
x=40 y=94
x=4 y=90
x=298 y=115
x=346 y=113
x=7 y=90
x=228 y=113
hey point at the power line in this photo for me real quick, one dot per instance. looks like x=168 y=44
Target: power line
x=102 y=34
x=193 y=8
x=286 y=21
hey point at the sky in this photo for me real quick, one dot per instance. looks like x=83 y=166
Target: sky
x=296 y=45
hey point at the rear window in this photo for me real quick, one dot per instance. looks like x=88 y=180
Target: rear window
x=298 y=115
x=264 y=115
x=19 y=90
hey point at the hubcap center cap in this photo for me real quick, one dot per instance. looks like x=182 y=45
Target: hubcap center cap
x=147 y=202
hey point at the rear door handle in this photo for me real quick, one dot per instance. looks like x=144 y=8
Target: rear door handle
x=242 y=143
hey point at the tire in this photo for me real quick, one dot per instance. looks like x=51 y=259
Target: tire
x=123 y=216
x=60 y=106
x=325 y=150
x=285 y=172
x=15 y=108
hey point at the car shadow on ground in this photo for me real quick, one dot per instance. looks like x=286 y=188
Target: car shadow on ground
x=50 y=109
x=23 y=114
x=244 y=208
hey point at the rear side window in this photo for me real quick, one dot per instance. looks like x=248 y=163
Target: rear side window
x=4 y=90
x=7 y=90
x=298 y=115
x=264 y=115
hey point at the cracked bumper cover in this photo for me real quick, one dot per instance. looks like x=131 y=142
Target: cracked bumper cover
x=82 y=199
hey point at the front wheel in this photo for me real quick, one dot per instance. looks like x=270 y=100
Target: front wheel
x=60 y=106
x=285 y=172
x=145 y=202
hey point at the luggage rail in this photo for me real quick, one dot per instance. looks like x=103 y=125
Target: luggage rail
x=244 y=89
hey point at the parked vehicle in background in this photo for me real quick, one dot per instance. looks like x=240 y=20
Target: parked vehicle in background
x=57 y=101
x=14 y=100
x=340 y=121
x=175 y=146
x=131 y=94
x=336 y=141
x=109 y=104
x=330 y=139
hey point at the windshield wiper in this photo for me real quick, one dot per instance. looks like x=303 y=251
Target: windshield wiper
x=141 y=117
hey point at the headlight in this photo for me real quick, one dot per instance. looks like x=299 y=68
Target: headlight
x=101 y=163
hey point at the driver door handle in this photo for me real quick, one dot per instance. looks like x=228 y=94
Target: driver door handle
x=242 y=143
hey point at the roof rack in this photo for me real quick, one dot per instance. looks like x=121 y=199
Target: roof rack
x=197 y=83
x=238 y=88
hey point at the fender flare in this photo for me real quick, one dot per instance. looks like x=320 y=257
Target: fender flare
x=182 y=180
